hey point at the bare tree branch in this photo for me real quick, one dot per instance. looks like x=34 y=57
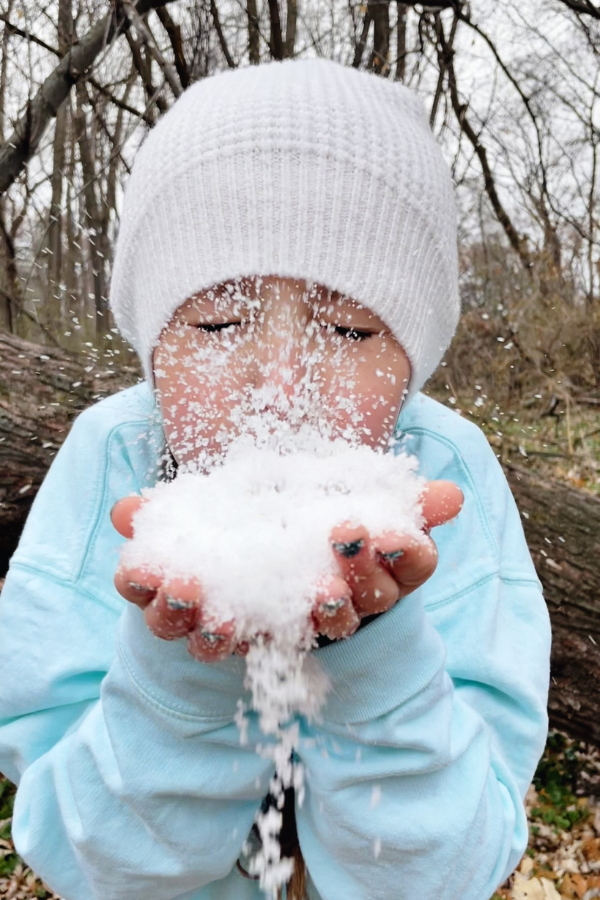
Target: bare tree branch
x=120 y=103
x=174 y=32
x=466 y=18
x=16 y=152
x=215 y=15
x=583 y=7
x=144 y=70
x=441 y=76
x=14 y=29
x=148 y=38
x=446 y=54
x=362 y=41
x=4 y=76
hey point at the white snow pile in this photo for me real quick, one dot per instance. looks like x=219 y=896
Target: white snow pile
x=255 y=530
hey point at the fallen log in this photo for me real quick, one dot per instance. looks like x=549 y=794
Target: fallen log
x=42 y=389
x=562 y=526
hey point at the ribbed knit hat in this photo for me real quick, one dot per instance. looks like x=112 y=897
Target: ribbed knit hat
x=304 y=169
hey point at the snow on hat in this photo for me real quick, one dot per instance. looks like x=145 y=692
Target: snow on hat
x=304 y=169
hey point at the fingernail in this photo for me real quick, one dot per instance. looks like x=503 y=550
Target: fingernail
x=140 y=587
x=176 y=603
x=212 y=637
x=330 y=607
x=349 y=548
x=393 y=555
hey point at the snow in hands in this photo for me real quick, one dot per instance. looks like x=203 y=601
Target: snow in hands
x=261 y=517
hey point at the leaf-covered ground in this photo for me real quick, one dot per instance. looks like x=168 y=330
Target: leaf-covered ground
x=562 y=861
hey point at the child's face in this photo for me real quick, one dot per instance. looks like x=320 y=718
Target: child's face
x=264 y=354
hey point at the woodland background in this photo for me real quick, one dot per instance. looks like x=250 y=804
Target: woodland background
x=513 y=92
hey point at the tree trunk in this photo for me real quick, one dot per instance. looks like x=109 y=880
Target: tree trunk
x=276 y=41
x=53 y=307
x=562 y=526
x=93 y=217
x=380 y=55
x=42 y=389
x=253 y=34
x=7 y=314
x=290 y=28
x=401 y=41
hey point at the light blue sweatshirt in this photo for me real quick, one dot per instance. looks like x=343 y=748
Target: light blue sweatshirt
x=132 y=780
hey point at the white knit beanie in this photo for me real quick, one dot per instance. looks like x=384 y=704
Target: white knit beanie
x=304 y=169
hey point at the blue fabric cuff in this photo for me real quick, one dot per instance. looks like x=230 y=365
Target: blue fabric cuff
x=383 y=665
x=165 y=672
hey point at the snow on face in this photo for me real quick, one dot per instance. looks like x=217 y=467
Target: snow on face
x=267 y=355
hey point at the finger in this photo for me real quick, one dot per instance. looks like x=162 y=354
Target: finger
x=211 y=641
x=333 y=612
x=376 y=593
x=353 y=552
x=137 y=585
x=440 y=502
x=122 y=513
x=175 y=610
x=373 y=589
x=413 y=564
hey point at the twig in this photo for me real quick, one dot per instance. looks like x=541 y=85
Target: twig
x=14 y=29
x=446 y=54
x=120 y=103
x=148 y=38
x=23 y=143
x=174 y=32
x=215 y=15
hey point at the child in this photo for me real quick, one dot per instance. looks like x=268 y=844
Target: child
x=287 y=253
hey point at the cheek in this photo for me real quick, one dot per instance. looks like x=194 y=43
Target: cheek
x=197 y=390
x=378 y=405
x=365 y=390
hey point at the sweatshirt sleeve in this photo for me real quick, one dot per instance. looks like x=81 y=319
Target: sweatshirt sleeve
x=131 y=778
x=416 y=775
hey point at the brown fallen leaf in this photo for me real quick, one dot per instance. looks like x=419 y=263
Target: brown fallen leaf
x=573 y=887
x=591 y=849
x=533 y=889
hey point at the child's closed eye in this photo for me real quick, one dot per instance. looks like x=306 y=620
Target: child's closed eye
x=211 y=327
x=353 y=334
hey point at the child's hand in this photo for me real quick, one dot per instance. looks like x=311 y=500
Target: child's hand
x=376 y=573
x=173 y=608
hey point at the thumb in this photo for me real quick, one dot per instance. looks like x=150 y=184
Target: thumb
x=121 y=515
x=441 y=501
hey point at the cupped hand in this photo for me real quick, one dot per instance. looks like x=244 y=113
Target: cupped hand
x=173 y=608
x=376 y=572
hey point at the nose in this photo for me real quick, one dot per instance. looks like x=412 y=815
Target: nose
x=281 y=362
x=280 y=355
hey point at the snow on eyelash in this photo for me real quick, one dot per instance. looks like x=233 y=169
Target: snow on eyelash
x=212 y=327
x=355 y=334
